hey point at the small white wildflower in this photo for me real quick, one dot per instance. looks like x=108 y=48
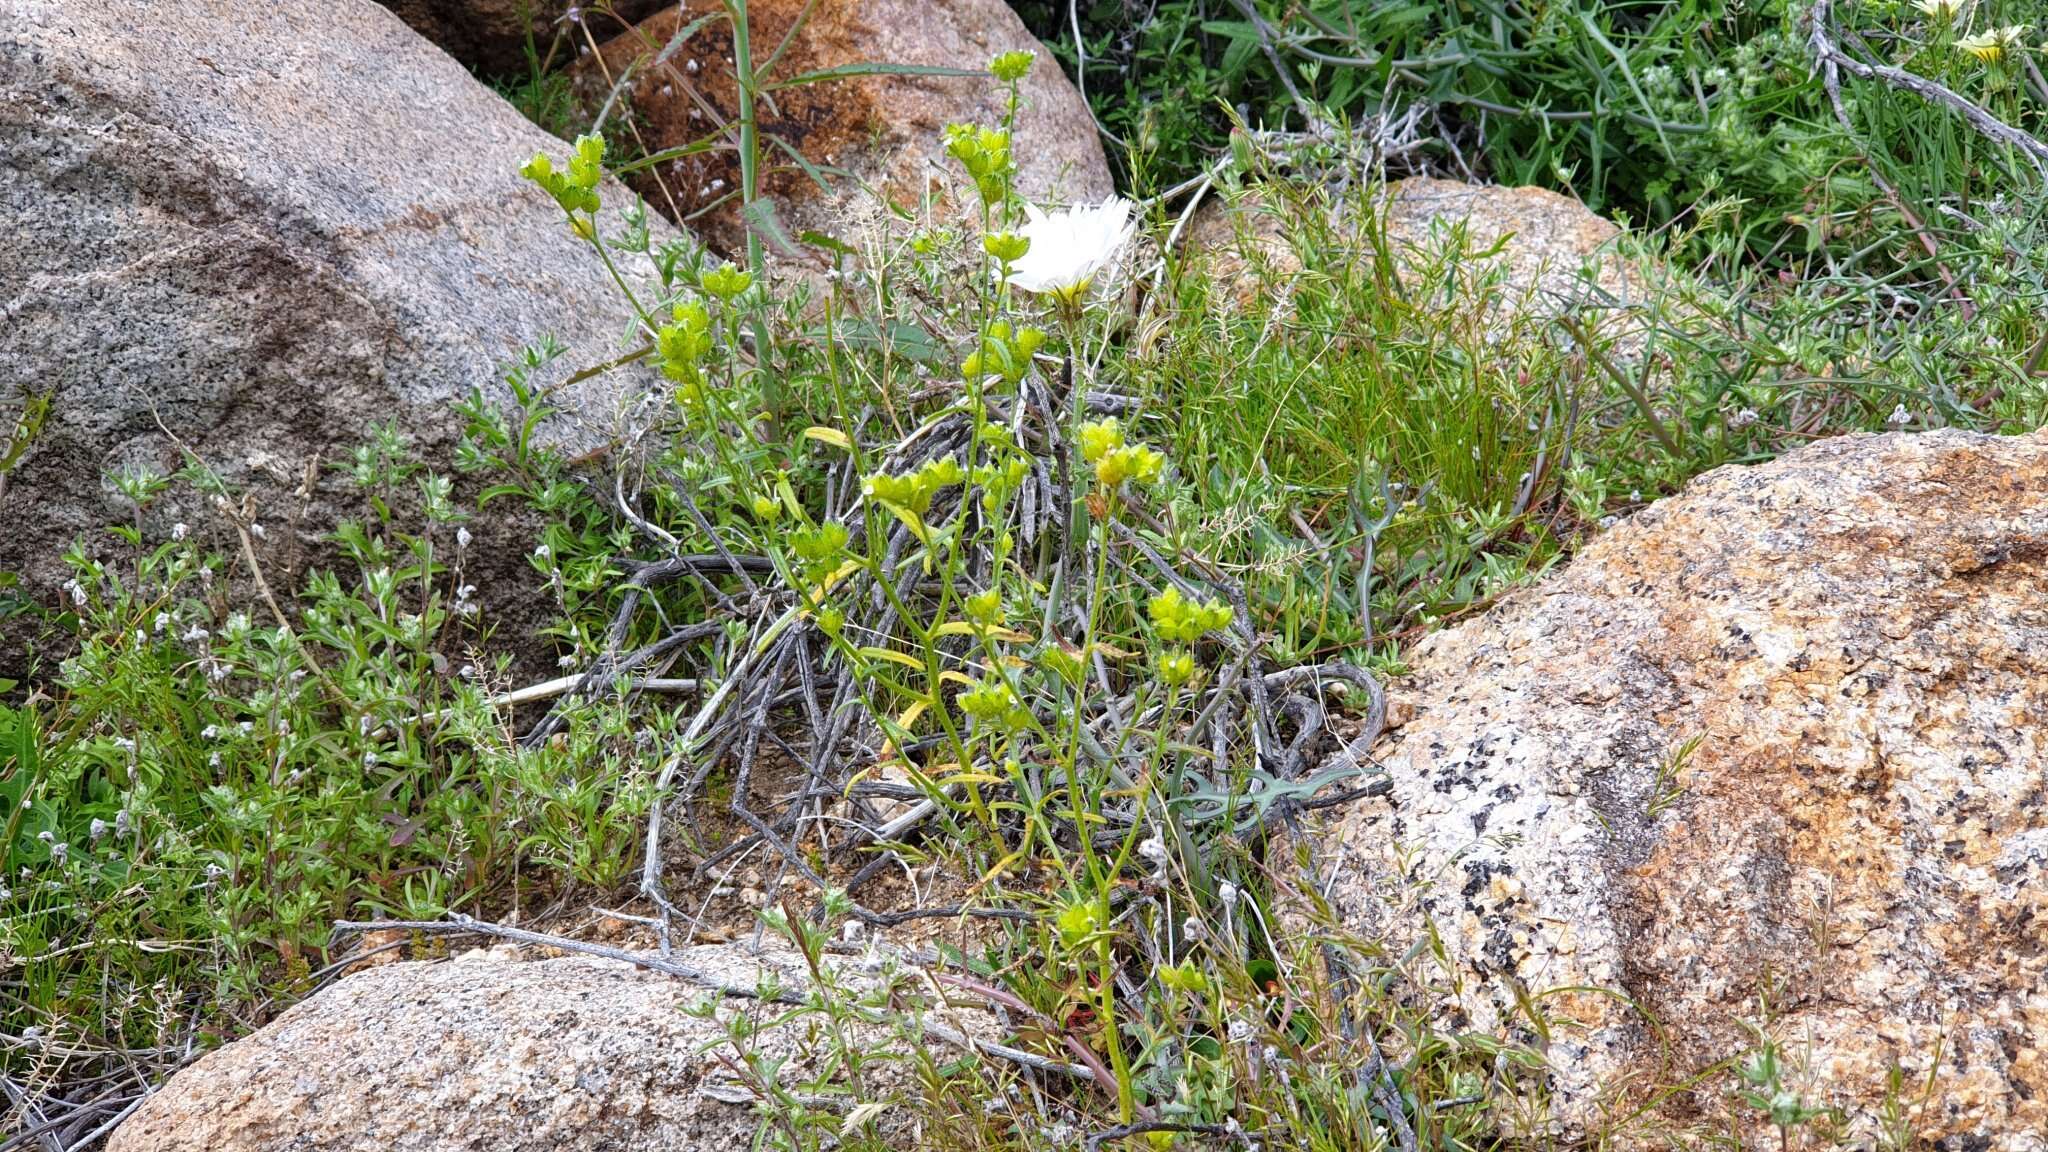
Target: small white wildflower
x=124 y=744
x=1154 y=849
x=245 y=727
x=214 y=872
x=59 y=853
x=1068 y=248
x=1228 y=892
x=462 y=536
x=1192 y=931
x=1743 y=419
x=97 y=830
x=77 y=591
x=1240 y=1032
x=852 y=931
x=1899 y=417
x=566 y=662
x=543 y=552
x=162 y=622
x=180 y=530
x=210 y=732
x=467 y=671
x=196 y=635
x=122 y=823
x=47 y=837
x=257 y=531
x=213 y=761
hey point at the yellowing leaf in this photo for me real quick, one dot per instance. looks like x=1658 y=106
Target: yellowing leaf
x=911 y=713
x=832 y=436
x=890 y=654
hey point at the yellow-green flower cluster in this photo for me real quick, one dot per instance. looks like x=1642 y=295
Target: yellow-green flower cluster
x=1182 y=621
x=1175 y=667
x=985 y=608
x=818 y=549
x=1003 y=353
x=998 y=482
x=1077 y=922
x=913 y=491
x=1006 y=247
x=1102 y=444
x=1010 y=67
x=726 y=281
x=992 y=704
x=682 y=346
x=576 y=189
x=985 y=153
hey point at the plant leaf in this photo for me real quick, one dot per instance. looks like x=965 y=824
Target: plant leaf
x=844 y=70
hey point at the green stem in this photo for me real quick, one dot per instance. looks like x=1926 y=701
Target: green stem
x=750 y=159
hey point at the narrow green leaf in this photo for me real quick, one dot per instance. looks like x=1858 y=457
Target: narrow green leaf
x=845 y=70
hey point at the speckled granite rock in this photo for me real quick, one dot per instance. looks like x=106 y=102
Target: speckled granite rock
x=269 y=225
x=1555 y=253
x=496 y=1054
x=881 y=132
x=1857 y=638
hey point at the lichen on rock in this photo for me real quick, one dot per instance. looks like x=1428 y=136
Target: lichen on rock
x=1768 y=755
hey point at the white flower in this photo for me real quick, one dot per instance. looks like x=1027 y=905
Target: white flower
x=1940 y=9
x=1988 y=46
x=462 y=537
x=1899 y=417
x=1068 y=248
x=179 y=530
